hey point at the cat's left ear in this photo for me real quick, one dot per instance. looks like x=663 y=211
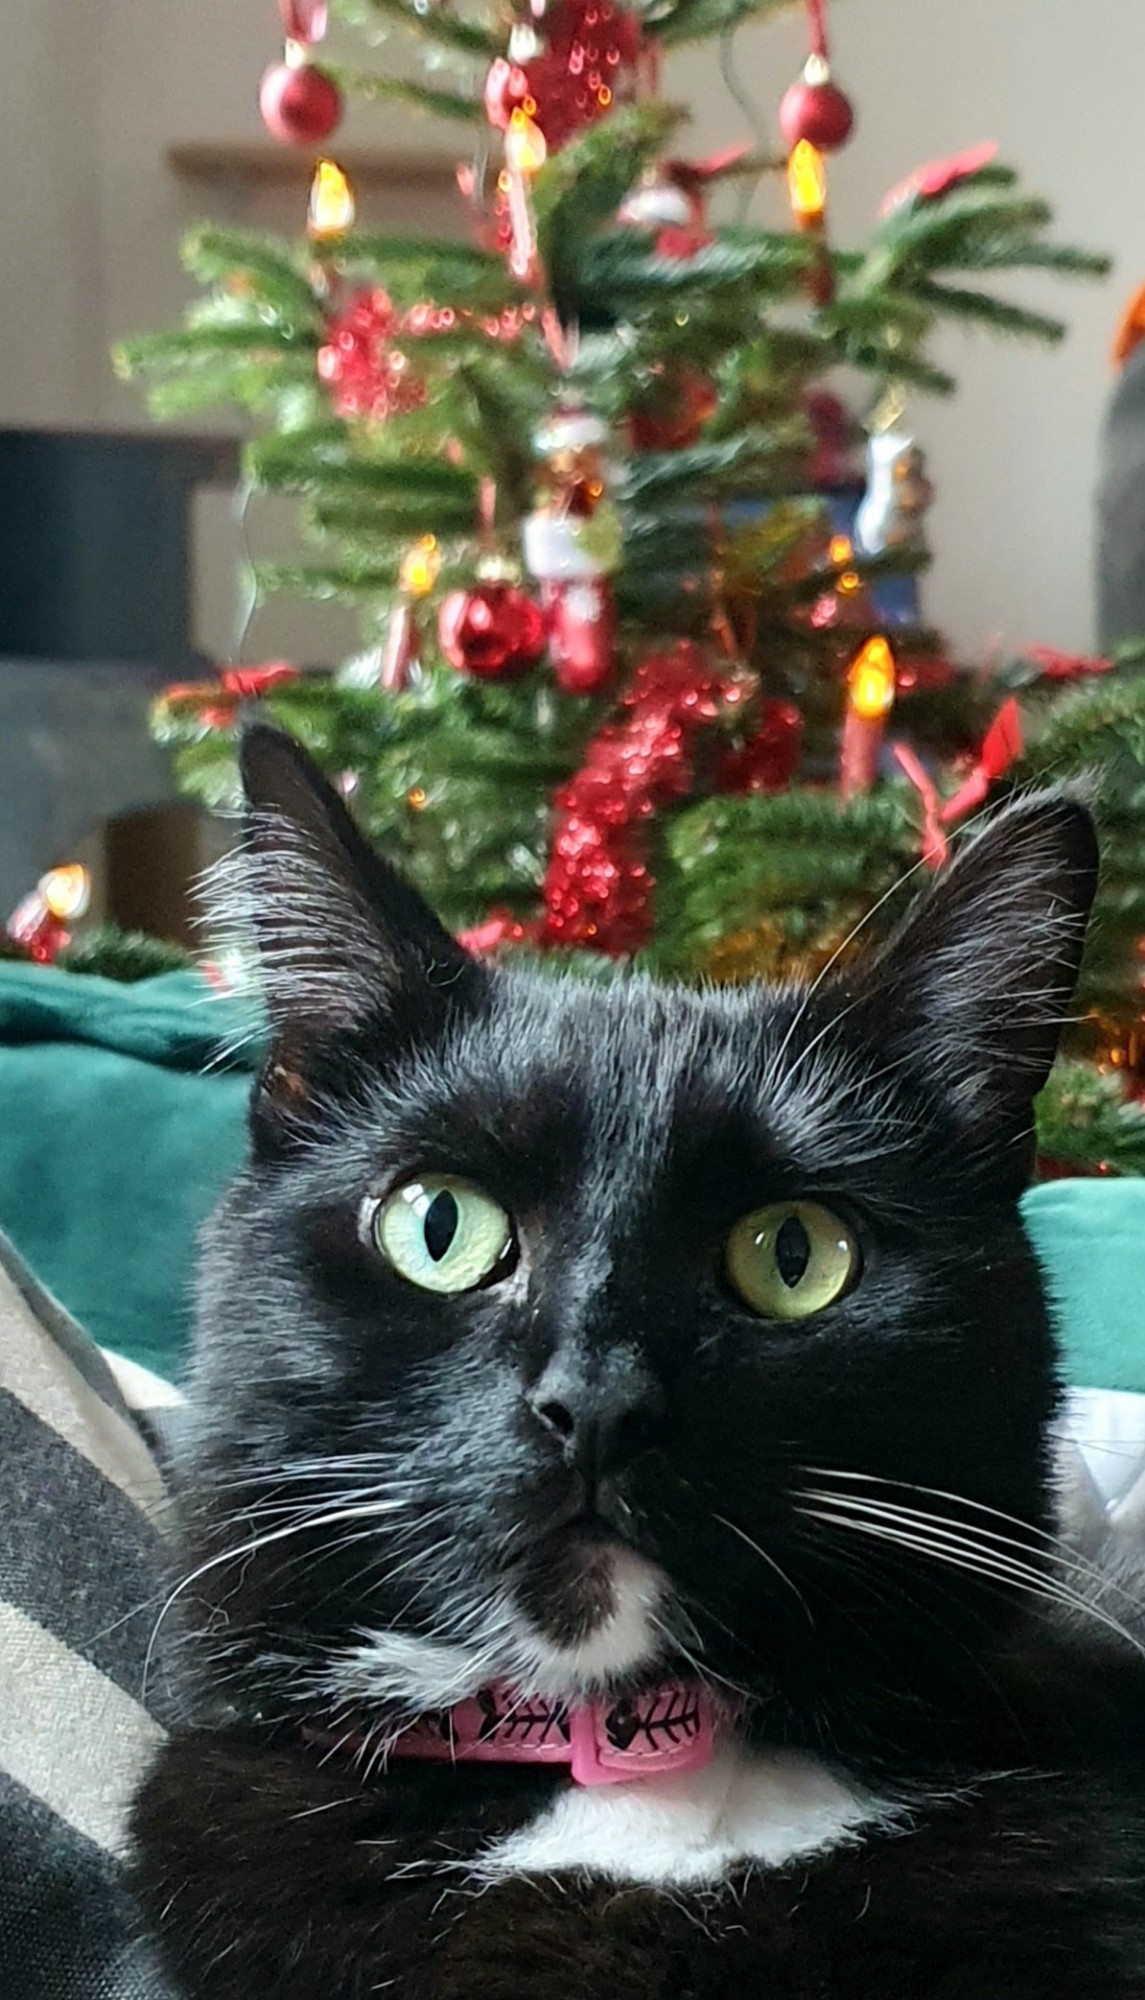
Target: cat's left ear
x=343 y=942
x=978 y=982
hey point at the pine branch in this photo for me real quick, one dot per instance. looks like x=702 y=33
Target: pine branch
x=703 y=20
x=1085 y=1119
x=954 y=302
x=226 y=257
x=713 y=465
x=620 y=267
x=437 y=24
x=436 y=103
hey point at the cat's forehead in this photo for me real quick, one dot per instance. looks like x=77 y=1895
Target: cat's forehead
x=637 y=1074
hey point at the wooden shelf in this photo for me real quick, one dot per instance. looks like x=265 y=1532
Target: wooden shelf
x=256 y=165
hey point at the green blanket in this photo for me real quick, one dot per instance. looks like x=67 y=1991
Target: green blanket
x=116 y=1137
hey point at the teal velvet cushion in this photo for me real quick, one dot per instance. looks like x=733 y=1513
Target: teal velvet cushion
x=1089 y=1236
x=116 y=1138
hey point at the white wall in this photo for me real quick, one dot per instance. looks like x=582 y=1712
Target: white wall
x=93 y=91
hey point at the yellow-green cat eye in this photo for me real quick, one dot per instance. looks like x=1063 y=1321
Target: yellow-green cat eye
x=791 y=1259
x=442 y=1233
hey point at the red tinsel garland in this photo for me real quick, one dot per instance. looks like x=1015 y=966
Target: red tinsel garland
x=598 y=886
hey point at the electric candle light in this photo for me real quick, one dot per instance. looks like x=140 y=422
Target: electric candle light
x=870 y=699
x=525 y=148
x=807 y=187
x=421 y=567
x=332 y=206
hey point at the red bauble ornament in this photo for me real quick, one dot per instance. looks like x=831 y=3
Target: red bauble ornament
x=676 y=410
x=493 y=631
x=582 y=632
x=299 y=103
x=816 y=109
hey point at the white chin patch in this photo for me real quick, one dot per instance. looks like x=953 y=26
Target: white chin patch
x=629 y=1636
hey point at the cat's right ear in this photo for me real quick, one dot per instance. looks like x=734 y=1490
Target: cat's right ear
x=345 y=947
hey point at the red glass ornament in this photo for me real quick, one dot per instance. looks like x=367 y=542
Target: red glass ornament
x=299 y=103
x=493 y=631
x=770 y=758
x=675 y=413
x=817 y=111
x=582 y=632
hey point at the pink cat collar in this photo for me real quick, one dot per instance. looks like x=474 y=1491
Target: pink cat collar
x=667 y=1729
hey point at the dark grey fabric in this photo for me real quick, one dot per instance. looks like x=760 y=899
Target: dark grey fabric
x=81 y=1502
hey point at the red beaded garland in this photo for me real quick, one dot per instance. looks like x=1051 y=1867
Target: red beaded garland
x=598 y=885
x=367 y=375
x=588 y=63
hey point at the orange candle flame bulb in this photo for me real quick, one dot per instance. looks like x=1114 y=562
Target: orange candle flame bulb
x=332 y=206
x=421 y=567
x=871 y=682
x=807 y=182
x=66 y=891
x=525 y=147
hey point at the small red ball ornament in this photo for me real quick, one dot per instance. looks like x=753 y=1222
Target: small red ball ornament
x=816 y=109
x=300 y=104
x=493 y=631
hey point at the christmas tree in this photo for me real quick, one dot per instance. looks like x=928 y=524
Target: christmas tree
x=626 y=690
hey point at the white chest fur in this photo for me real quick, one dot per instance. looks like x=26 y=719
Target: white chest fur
x=695 y=1829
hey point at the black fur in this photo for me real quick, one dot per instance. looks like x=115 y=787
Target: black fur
x=626 y=1128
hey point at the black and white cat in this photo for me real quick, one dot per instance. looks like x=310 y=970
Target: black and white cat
x=601 y=1358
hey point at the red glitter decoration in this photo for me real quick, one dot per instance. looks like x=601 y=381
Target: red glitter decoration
x=494 y=631
x=588 y=65
x=598 y=885
x=299 y=103
x=216 y=703
x=499 y=928
x=770 y=758
x=367 y=375
x=1058 y=666
x=931 y=182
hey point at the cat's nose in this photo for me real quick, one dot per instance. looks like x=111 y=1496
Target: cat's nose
x=599 y=1418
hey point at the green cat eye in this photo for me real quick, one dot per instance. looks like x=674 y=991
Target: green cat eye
x=791 y=1259
x=442 y=1233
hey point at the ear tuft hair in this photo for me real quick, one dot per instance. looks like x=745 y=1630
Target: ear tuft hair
x=979 y=980
x=342 y=940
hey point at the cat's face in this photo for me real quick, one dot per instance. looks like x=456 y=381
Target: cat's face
x=554 y=1323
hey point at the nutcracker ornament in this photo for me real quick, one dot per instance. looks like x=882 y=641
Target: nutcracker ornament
x=572 y=545
x=898 y=494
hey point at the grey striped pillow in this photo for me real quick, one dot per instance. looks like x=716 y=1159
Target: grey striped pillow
x=80 y=1576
